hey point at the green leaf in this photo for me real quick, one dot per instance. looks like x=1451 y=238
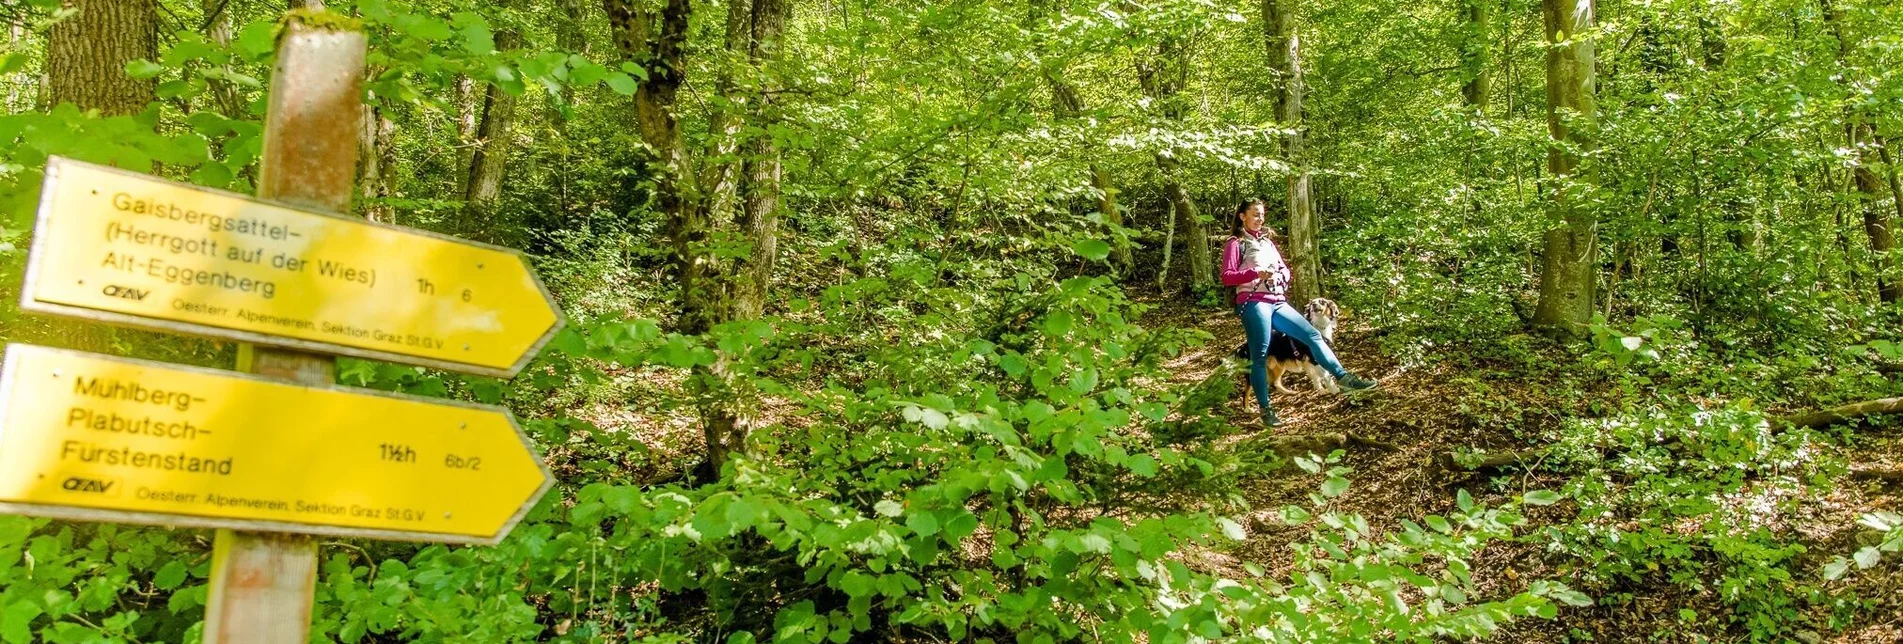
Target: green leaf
x=1092 y=249
x=1232 y=529
x=1868 y=557
x=1572 y=597
x=1541 y=497
x=924 y=523
x=1836 y=569
x=16 y=621
x=889 y=508
x=12 y=62
x=170 y=575
x=1058 y=323
x=1143 y=465
x=477 y=39
x=960 y=526
x=622 y=84
x=1334 y=486
x=143 y=68
x=257 y=39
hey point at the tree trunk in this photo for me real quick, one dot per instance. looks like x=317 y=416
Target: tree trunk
x=1120 y=255
x=1169 y=244
x=225 y=96
x=86 y=55
x=1571 y=249
x=1163 y=79
x=711 y=291
x=1861 y=136
x=1284 y=45
x=489 y=156
x=376 y=163
x=760 y=198
x=16 y=40
x=1475 y=64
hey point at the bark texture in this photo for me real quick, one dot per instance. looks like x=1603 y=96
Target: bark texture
x=694 y=191
x=86 y=55
x=1569 y=272
x=489 y=158
x=1475 y=63
x=1284 y=43
x=225 y=96
x=376 y=165
x=760 y=193
x=1862 y=137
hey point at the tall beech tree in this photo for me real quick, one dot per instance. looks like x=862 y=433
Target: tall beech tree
x=711 y=195
x=1570 y=254
x=1284 y=45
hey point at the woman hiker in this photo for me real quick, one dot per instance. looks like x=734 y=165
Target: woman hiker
x=1252 y=264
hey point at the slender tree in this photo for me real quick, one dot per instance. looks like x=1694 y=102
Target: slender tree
x=1570 y=253
x=760 y=193
x=1475 y=63
x=1163 y=78
x=489 y=152
x=712 y=291
x=1861 y=134
x=1284 y=43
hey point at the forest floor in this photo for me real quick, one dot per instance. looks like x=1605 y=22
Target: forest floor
x=1425 y=410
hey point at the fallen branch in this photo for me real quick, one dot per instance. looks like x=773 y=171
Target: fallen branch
x=1292 y=446
x=1451 y=461
x=1834 y=415
x=1887 y=475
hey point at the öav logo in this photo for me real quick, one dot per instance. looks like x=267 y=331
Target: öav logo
x=87 y=486
x=125 y=292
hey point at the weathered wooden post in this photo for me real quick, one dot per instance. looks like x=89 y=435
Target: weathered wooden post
x=262 y=582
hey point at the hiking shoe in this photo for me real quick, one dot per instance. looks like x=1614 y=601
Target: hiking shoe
x=1352 y=383
x=1269 y=421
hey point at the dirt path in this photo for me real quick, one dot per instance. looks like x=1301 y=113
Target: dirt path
x=1424 y=410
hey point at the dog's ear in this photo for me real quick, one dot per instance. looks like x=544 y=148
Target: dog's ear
x=1334 y=310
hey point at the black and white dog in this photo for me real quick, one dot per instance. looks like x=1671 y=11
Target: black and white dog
x=1286 y=354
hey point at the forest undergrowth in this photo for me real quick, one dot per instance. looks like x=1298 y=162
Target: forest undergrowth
x=1711 y=580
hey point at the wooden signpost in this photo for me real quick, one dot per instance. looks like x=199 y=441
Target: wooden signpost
x=277 y=452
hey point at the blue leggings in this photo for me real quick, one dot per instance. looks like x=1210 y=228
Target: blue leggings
x=1258 y=318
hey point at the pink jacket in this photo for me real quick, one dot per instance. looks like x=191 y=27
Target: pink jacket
x=1253 y=265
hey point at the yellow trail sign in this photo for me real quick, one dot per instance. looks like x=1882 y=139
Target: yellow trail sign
x=93 y=437
x=131 y=249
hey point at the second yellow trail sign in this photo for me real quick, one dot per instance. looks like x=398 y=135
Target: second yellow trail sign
x=93 y=437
